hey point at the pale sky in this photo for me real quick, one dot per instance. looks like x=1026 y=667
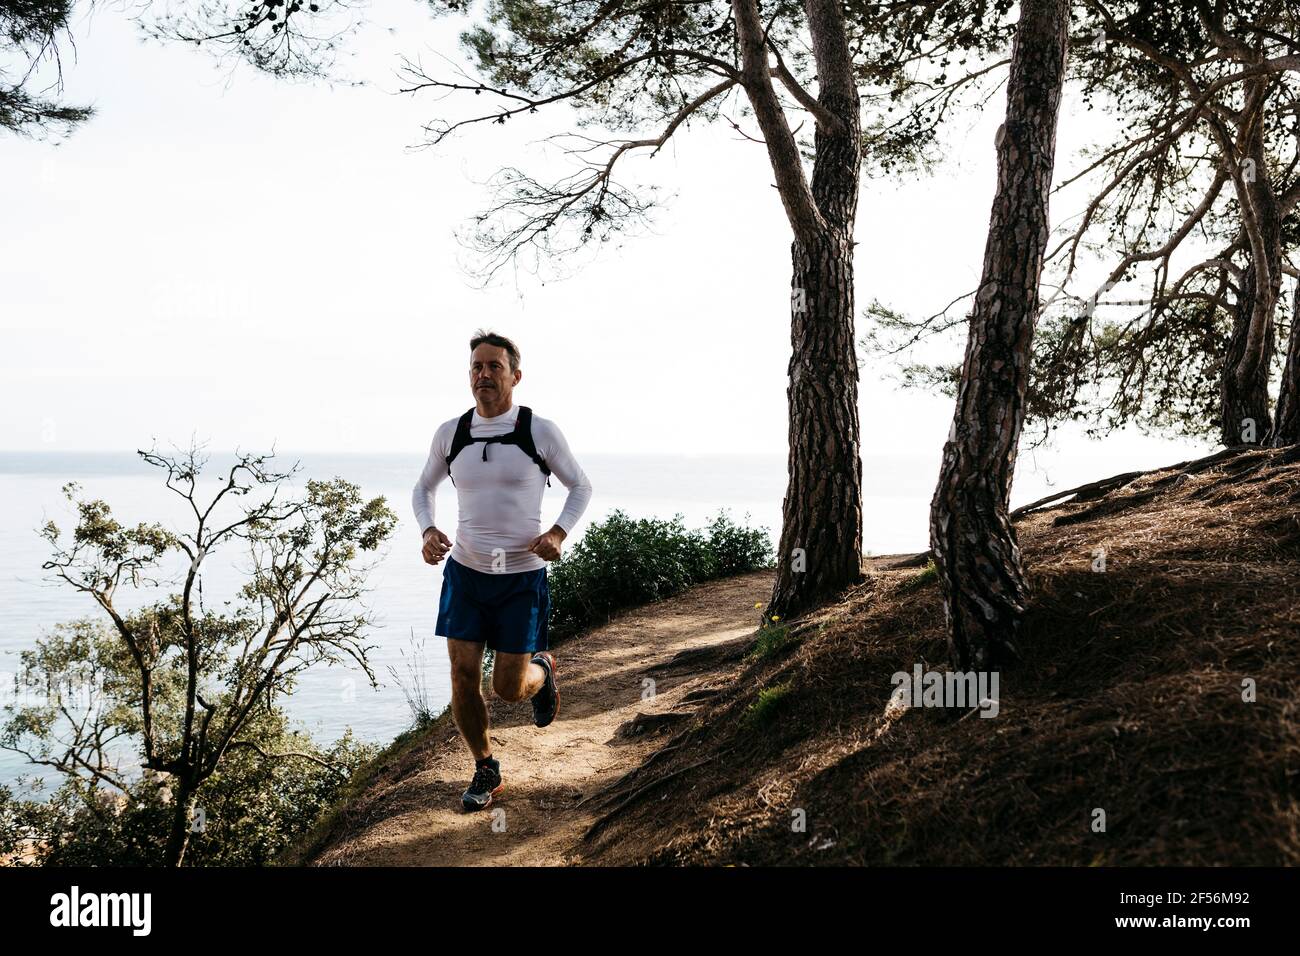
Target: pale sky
x=251 y=261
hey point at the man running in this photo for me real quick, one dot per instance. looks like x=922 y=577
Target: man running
x=494 y=589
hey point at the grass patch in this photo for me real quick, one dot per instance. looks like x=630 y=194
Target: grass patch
x=774 y=639
x=921 y=578
x=766 y=705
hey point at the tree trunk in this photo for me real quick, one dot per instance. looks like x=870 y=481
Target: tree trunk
x=821 y=530
x=1244 y=413
x=1286 y=428
x=971 y=536
x=820 y=552
x=178 y=839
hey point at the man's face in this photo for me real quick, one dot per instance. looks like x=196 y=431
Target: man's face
x=490 y=378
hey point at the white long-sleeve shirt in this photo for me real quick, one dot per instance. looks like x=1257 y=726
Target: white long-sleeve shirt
x=500 y=500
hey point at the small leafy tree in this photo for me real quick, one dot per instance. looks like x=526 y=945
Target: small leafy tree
x=191 y=689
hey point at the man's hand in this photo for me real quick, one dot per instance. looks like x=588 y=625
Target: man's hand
x=547 y=545
x=436 y=545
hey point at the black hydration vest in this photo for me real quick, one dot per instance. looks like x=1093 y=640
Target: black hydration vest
x=521 y=436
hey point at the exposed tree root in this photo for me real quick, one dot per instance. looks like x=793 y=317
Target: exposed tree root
x=644 y=789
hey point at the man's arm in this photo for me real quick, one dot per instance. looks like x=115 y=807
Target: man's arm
x=552 y=446
x=559 y=458
x=426 y=486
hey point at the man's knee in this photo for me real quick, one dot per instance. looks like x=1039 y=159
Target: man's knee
x=508 y=687
x=466 y=676
x=464 y=680
x=466 y=660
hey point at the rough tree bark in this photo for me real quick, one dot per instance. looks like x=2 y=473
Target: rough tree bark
x=1286 y=427
x=971 y=536
x=1245 y=417
x=821 y=531
x=820 y=551
x=1244 y=404
x=178 y=837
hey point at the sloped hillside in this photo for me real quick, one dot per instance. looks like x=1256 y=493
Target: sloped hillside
x=1129 y=700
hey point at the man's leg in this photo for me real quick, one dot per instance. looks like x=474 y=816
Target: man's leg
x=514 y=678
x=468 y=707
x=524 y=669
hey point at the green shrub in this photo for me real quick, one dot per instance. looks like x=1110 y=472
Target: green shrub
x=251 y=809
x=737 y=549
x=623 y=562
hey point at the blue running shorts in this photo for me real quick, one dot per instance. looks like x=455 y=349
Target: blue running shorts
x=508 y=612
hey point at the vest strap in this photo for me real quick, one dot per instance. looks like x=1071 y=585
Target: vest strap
x=521 y=436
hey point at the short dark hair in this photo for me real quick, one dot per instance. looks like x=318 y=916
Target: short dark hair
x=491 y=338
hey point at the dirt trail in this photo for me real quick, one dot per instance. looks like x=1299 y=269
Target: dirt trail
x=537 y=819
